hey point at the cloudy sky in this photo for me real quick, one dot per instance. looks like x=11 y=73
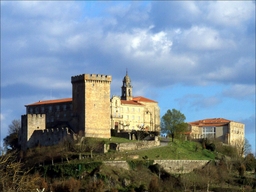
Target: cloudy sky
x=196 y=57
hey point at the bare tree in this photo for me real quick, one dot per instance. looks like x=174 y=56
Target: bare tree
x=243 y=147
x=15 y=177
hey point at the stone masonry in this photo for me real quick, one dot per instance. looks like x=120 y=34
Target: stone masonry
x=170 y=166
x=91 y=105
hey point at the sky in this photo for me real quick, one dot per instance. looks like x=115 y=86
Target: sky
x=194 y=56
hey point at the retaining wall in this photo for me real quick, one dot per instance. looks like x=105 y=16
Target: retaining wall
x=134 y=146
x=170 y=166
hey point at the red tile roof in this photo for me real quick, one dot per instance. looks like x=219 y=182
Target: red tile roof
x=65 y=100
x=142 y=99
x=210 y=122
x=131 y=102
x=134 y=101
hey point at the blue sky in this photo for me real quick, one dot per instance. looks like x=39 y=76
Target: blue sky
x=194 y=56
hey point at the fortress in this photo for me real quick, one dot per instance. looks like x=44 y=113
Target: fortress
x=89 y=113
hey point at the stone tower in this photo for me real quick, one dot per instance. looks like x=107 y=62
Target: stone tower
x=30 y=123
x=91 y=105
x=126 y=88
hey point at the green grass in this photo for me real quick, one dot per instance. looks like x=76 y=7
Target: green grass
x=121 y=140
x=175 y=150
x=185 y=150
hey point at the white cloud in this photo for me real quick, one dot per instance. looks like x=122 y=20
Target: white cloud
x=243 y=71
x=233 y=13
x=241 y=91
x=205 y=38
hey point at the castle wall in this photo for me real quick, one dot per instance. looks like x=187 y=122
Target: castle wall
x=48 y=137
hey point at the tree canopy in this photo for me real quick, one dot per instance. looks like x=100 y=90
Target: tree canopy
x=11 y=140
x=173 y=122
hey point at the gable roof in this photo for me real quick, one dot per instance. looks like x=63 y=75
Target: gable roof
x=46 y=102
x=210 y=122
x=143 y=99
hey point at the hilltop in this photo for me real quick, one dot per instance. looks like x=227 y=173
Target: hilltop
x=73 y=167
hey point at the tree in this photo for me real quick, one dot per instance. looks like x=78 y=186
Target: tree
x=250 y=162
x=173 y=122
x=11 y=140
x=243 y=147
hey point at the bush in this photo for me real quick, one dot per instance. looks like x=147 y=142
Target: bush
x=70 y=185
x=241 y=170
x=154 y=185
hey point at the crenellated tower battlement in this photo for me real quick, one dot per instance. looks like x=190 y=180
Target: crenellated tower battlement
x=91 y=77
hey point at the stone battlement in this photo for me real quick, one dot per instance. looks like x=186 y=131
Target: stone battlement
x=91 y=77
x=34 y=115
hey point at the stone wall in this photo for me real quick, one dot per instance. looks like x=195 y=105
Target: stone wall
x=133 y=146
x=181 y=166
x=48 y=137
x=170 y=166
x=119 y=164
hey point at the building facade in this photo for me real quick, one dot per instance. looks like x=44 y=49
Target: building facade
x=90 y=113
x=130 y=113
x=226 y=131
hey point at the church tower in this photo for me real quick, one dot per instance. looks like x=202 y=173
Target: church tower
x=126 y=88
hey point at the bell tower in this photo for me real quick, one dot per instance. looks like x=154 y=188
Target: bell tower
x=126 y=88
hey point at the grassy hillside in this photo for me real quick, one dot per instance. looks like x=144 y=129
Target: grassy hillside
x=186 y=150
x=170 y=150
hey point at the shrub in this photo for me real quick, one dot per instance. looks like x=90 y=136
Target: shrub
x=241 y=170
x=154 y=185
x=70 y=185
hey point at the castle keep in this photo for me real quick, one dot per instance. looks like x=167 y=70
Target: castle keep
x=91 y=94
x=90 y=113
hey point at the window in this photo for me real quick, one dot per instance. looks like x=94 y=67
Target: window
x=208 y=132
x=47 y=119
